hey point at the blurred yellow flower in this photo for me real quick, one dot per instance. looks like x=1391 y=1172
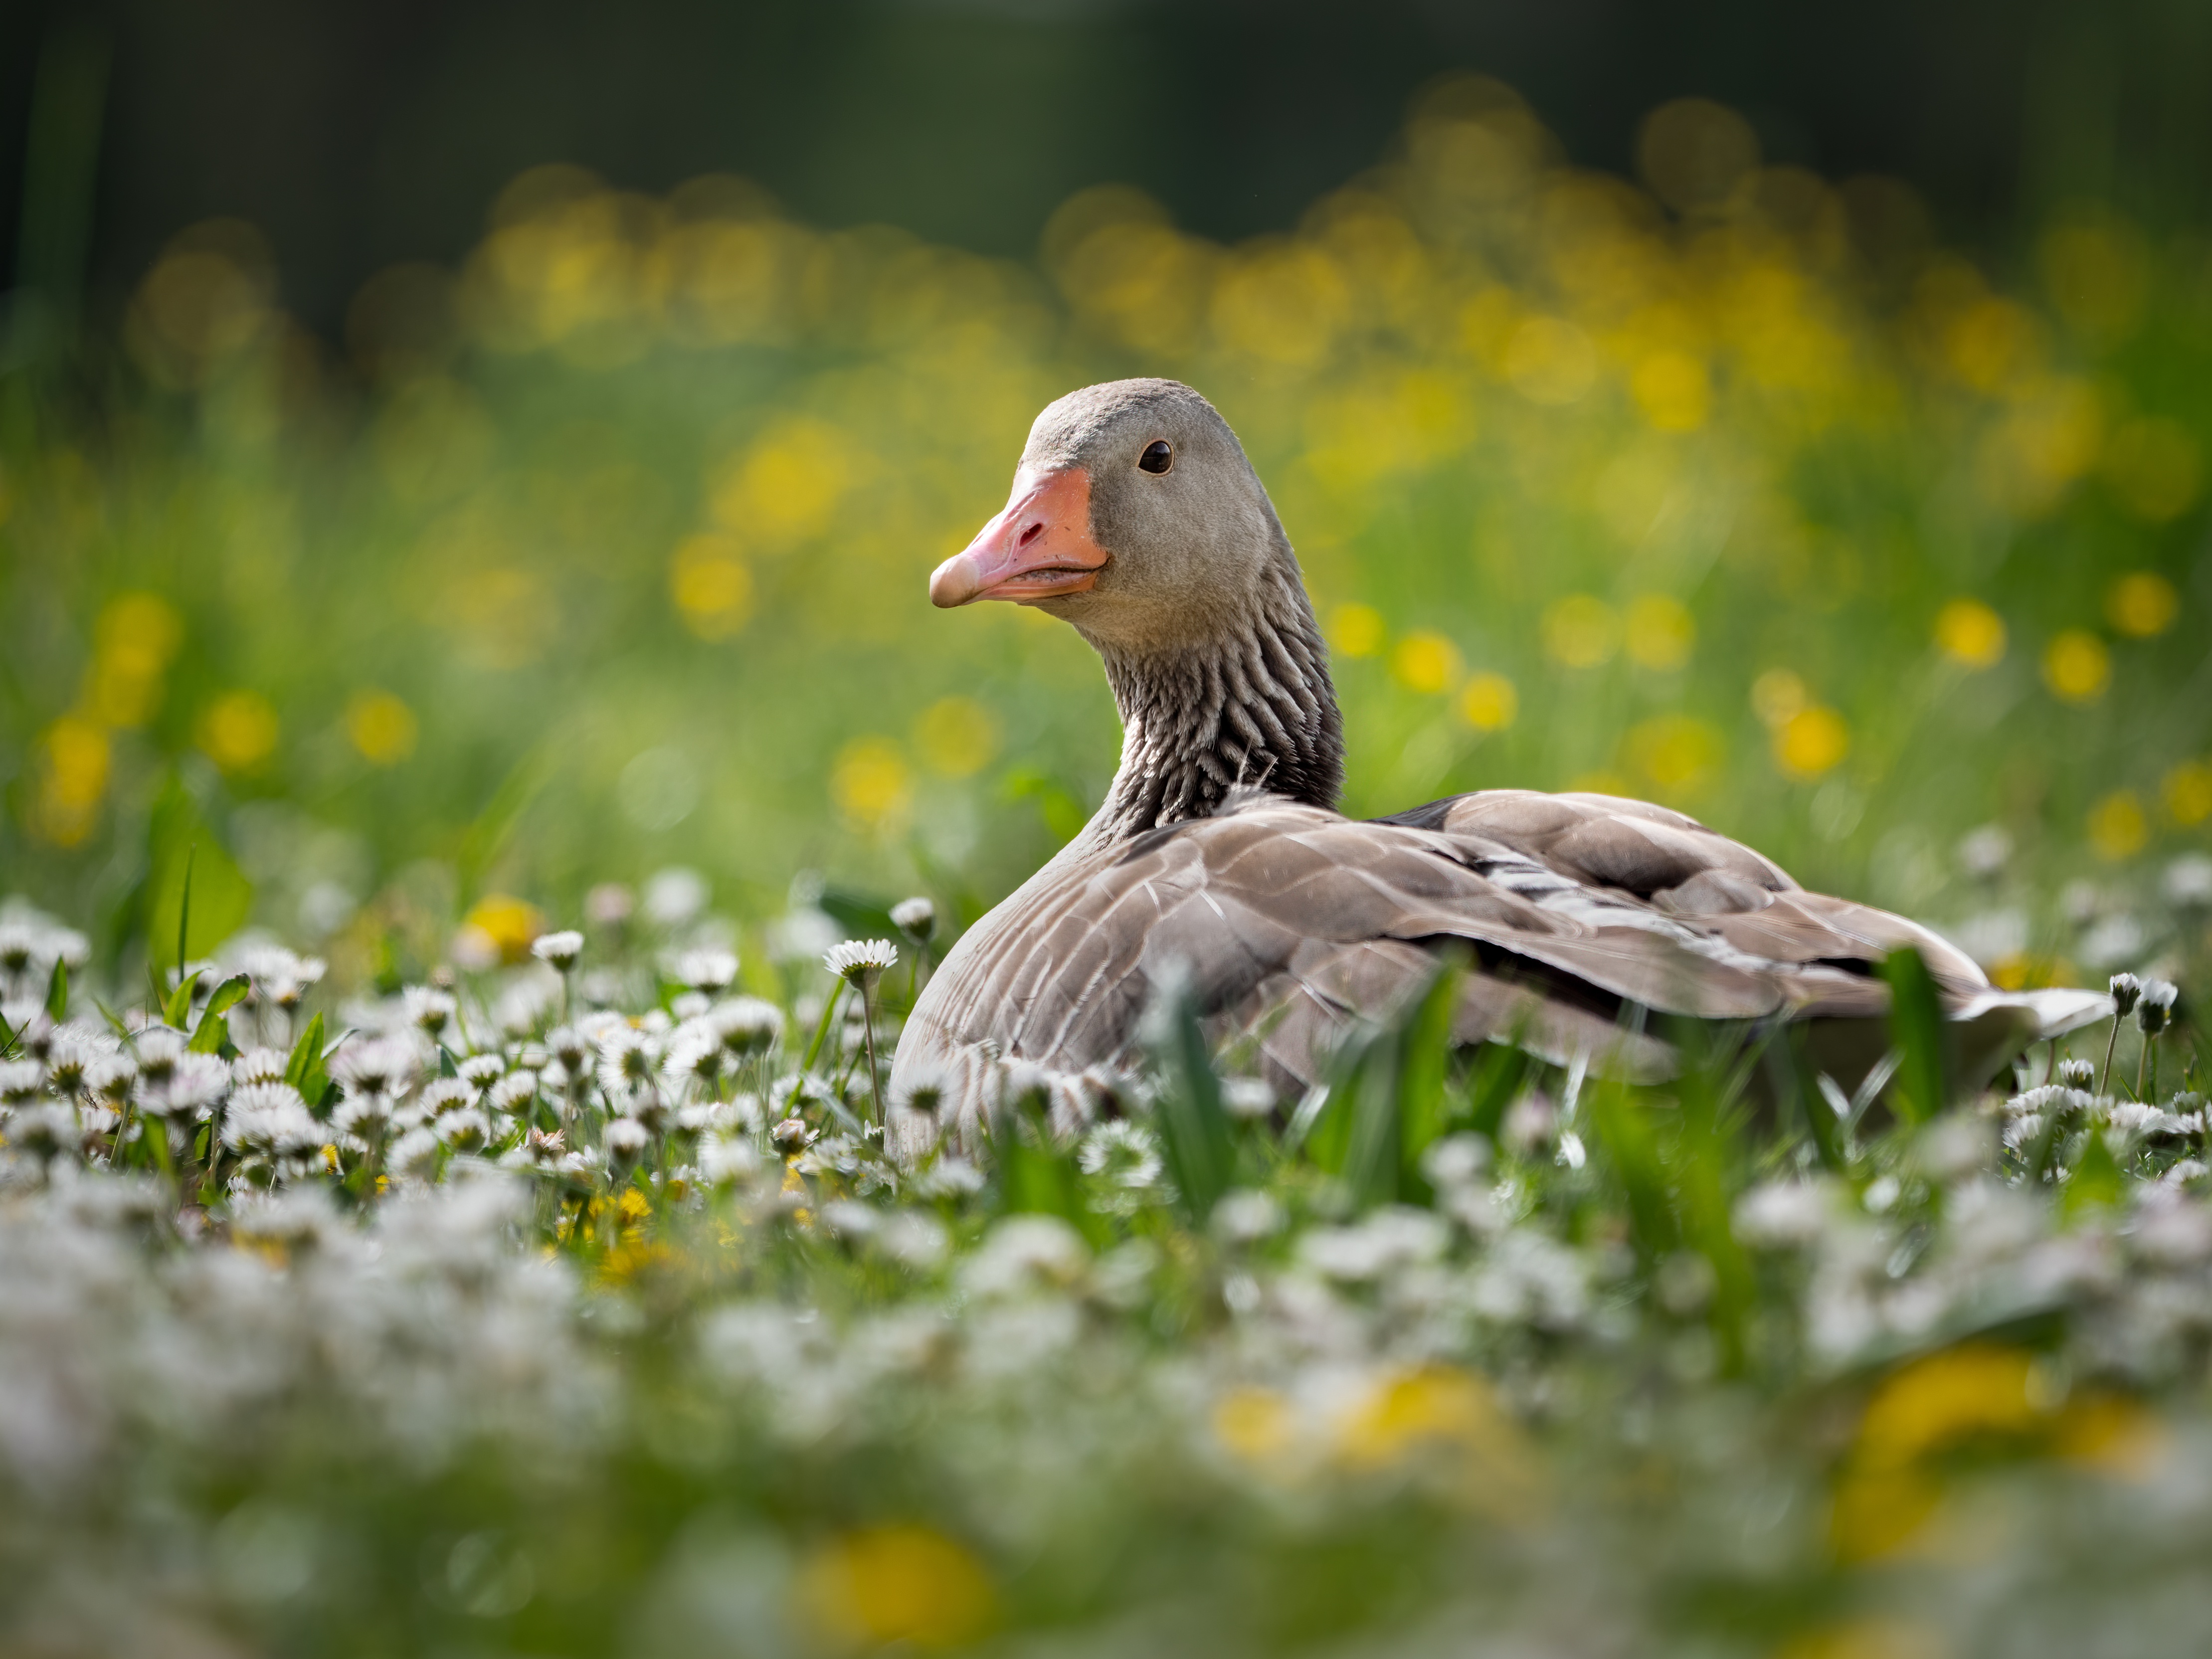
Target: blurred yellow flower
x=502 y=926
x=1969 y=632
x=1777 y=697
x=238 y=730
x=2076 y=666
x=1489 y=703
x=1419 y=1408
x=133 y=641
x=1281 y=302
x=1812 y=741
x=1674 y=751
x=1672 y=390
x=1550 y=361
x=2119 y=826
x=1426 y=662
x=1581 y=631
x=1865 y=1638
x=958 y=736
x=382 y=727
x=1256 y=1424
x=1356 y=630
x=73 y=756
x=2142 y=602
x=2154 y=468
x=2096 y=271
x=1989 y=341
x=786 y=487
x=895 y=1583
x=2043 y=444
x=1962 y=1392
x=1603 y=782
x=871 y=782
x=2187 y=791
x=1661 y=631
x=712 y=585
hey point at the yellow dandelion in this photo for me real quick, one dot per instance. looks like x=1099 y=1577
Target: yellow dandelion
x=238 y=730
x=1489 y=703
x=1356 y=630
x=380 y=727
x=1674 y=751
x=958 y=736
x=2142 y=604
x=507 y=925
x=1581 y=631
x=1969 y=632
x=1778 y=696
x=73 y=758
x=2119 y=826
x=1661 y=631
x=871 y=783
x=1256 y=1424
x=2187 y=792
x=1811 y=742
x=2076 y=666
x=1672 y=390
x=896 y=1584
x=712 y=585
x=2154 y=468
x=1426 y=662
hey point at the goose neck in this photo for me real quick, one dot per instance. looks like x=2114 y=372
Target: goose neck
x=1252 y=708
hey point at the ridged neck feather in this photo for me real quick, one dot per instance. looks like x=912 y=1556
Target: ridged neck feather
x=1251 y=707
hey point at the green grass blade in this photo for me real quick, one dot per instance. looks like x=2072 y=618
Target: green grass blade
x=1195 y=1136
x=208 y=1038
x=1915 y=1026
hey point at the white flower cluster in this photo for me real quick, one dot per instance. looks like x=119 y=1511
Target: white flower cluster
x=635 y=1238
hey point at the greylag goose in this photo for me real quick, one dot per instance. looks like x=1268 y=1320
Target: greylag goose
x=1219 y=857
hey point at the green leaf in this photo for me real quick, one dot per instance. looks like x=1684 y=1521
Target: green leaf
x=58 y=991
x=1624 y=1130
x=307 y=1060
x=1918 y=1031
x=1424 y=1108
x=178 y=1008
x=208 y=1037
x=2097 y=1181
x=1036 y=1177
x=821 y=1030
x=1499 y=1071
x=196 y=896
x=482 y=842
x=1195 y=1136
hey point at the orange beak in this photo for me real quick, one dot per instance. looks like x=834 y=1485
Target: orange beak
x=1038 y=549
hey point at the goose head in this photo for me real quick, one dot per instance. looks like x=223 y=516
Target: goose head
x=1136 y=517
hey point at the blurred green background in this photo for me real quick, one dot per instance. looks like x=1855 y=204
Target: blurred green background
x=458 y=455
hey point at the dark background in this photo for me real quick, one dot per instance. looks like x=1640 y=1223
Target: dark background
x=355 y=132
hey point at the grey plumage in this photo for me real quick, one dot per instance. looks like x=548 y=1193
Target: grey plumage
x=1218 y=853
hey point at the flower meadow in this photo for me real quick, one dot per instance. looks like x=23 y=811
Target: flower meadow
x=456 y=776
x=578 y=1306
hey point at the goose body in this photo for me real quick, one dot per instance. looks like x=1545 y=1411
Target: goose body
x=1219 y=857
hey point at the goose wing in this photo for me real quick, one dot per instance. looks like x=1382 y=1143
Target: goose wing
x=1293 y=923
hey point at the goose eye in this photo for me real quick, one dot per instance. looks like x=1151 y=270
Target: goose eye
x=1158 y=456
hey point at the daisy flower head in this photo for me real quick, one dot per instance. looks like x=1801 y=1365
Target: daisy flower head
x=746 y=1025
x=916 y=918
x=710 y=971
x=431 y=1011
x=563 y=949
x=860 y=961
x=2155 y=1009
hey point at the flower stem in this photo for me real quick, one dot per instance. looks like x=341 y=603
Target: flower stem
x=868 y=1032
x=2105 y=1083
